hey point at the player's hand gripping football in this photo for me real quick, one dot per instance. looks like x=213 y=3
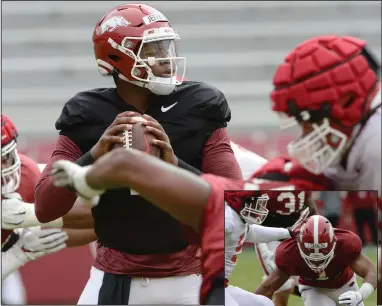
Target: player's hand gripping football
x=72 y=176
x=294 y=230
x=350 y=298
x=162 y=140
x=13 y=210
x=36 y=242
x=109 y=137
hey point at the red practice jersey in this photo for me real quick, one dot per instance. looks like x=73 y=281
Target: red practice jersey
x=289 y=170
x=336 y=274
x=284 y=207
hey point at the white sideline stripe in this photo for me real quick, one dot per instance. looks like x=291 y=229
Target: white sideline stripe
x=62 y=94
x=194 y=60
x=83 y=7
x=248 y=30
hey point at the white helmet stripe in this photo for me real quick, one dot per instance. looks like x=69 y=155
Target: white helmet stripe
x=331 y=233
x=315 y=232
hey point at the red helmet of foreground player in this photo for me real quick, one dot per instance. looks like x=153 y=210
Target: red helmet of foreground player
x=10 y=161
x=130 y=39
x=331 y=86
x=317 y=242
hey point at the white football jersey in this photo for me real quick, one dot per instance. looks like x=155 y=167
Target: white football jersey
x=234 y=236
x=364 y=161
x=248 y=161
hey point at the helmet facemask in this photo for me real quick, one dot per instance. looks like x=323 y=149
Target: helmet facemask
x=255 y=212
x=10 y=168
x=316 y=260
x=157 y=46
x=320 y=148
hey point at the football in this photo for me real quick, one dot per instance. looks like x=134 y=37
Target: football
x=139 y=138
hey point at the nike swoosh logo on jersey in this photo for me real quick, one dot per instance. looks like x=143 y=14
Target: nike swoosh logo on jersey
x=165 y=109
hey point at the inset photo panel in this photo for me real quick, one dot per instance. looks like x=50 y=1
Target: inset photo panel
x=300 y=247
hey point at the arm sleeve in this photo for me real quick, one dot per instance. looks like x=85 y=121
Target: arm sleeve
x=353 y=247
x=281 y=260
x=258 y=234
x=218 y=157
x=54 y=202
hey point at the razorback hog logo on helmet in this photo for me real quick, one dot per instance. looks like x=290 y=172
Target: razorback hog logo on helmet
x=112 y=23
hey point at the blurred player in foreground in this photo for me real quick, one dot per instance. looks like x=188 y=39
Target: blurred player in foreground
x=327 y=261
x=19 y=175
x=244 y=212
x=331 y=87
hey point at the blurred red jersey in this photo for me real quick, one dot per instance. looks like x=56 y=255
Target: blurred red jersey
x=336 y=274
x=361 y=199
x=30 y=174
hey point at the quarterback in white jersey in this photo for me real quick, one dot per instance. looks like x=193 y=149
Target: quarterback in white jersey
x=336 y=100
x=242 y=225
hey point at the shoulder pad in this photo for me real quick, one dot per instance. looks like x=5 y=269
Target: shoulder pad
x=207 y=101
x=84 y=108
x=85 y=117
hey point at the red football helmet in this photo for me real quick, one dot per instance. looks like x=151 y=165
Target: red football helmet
x=317 y=242
x=330 y=85
x=10 y=161
x=132 y=38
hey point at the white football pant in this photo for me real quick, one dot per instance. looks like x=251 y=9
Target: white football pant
x=13 y=292
x=166 y=290
x=245 y=298
x=326 y=297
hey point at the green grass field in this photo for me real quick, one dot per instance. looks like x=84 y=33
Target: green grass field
x=248 y=275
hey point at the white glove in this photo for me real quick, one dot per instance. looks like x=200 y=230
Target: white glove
x=294 y=230
x=18 y=214
x=350 y=298
x=13 y=210
x=32 y=244
x=72 y=176
x=36 y=242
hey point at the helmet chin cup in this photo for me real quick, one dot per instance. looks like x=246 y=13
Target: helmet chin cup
x=161 y=88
